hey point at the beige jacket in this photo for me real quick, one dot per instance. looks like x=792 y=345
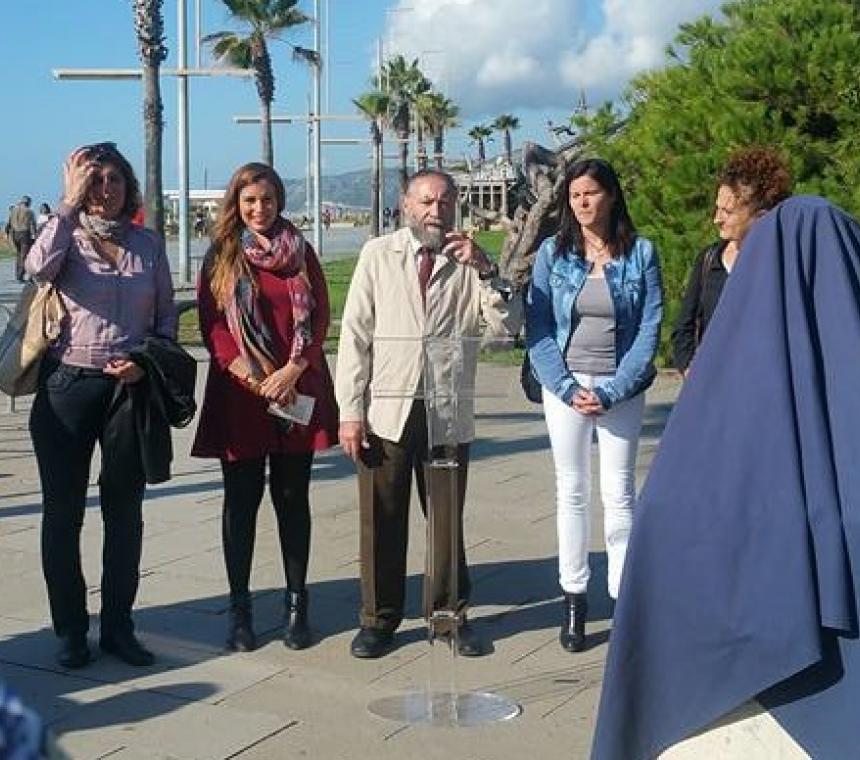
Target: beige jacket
x=385 y=336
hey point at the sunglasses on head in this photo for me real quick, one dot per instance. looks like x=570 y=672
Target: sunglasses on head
x=98 y=151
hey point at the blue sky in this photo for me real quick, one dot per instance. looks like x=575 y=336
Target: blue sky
x=490 y=56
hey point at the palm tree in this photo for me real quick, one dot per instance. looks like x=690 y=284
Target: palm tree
x=265 y=19
x=403 y=82
x=438 y=113
x=149 y=28
x=505 y=123
x=375 y=105
x=480 y=134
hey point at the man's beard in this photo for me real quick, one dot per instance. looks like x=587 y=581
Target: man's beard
x=431 y=237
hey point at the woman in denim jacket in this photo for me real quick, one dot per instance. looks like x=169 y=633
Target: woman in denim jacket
x=593 y=314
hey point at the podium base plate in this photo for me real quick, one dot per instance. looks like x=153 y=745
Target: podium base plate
x=445 y=709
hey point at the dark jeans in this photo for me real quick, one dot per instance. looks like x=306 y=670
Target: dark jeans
x=384 y=490
x=72 y=411
x=289 y=482
x=22 y=242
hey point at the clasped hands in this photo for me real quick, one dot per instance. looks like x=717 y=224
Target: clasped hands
x=586 y=402
x=278 y=387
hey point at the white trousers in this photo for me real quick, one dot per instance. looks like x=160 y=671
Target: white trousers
x=571 y=435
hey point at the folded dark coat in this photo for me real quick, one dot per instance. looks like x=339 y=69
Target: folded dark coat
x=744 y=560
x=164 y=399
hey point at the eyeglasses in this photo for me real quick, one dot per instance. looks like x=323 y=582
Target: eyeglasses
x=102 y=150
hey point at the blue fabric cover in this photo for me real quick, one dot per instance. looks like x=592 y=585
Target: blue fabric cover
x=743 y=565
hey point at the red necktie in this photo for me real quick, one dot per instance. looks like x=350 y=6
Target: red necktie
x=425 y=269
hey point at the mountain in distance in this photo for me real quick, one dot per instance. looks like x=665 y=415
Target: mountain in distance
x=349 y=189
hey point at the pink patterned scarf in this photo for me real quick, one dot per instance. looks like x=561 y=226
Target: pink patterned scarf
x=285 y=255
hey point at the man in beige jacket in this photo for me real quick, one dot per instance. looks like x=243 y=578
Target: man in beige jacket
x=423 y=281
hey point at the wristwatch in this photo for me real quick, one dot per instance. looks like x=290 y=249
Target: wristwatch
x=491 y=273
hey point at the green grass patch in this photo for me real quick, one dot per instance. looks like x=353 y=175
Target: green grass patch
x=338 y=275
x=491 y=241
x=189 y=329
x=510 y=357
x=6 y=250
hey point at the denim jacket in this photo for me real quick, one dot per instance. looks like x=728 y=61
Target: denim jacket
x=636 y=289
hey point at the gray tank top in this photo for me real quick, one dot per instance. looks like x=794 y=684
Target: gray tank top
x=592 y=345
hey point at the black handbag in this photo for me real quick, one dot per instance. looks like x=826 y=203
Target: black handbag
x=528 y=379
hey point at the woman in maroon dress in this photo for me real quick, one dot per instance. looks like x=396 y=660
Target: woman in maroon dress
x=264 y=313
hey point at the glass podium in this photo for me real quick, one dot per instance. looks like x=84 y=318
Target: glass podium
x=448 y=391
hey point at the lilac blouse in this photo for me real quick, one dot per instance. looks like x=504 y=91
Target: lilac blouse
x=111 y=309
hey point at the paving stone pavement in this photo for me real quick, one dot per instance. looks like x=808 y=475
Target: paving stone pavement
x=200 y=702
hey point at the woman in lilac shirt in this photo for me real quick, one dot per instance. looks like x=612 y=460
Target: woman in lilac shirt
x=114 y=281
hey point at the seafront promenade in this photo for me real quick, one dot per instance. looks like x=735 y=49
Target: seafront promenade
x=200 y=702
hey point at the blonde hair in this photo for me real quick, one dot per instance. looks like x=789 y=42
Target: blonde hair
x=225 y=261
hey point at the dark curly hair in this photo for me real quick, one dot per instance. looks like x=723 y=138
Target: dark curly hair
x=758 y=175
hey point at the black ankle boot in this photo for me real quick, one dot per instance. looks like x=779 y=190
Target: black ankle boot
x=572 y=634
x=296 y=633
x=240 y=636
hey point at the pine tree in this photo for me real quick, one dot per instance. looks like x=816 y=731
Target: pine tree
x=771 y=72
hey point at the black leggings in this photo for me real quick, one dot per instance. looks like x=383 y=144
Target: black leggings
x=289 y=481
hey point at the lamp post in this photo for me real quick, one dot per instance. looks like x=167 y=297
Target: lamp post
x=317 y=139
x=182 y=143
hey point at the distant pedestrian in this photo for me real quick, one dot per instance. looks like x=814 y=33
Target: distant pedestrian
x=22 y=228
x=43 y=217
x=395 y=218
x=201 y=223
x=326 y=218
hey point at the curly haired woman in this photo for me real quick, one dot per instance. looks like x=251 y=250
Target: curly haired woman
x=752 y=182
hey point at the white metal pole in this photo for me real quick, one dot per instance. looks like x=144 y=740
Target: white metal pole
x=328 y=58
x=309 y=163
x=380 y=161
x=317 y=147
x=182 y=141
x=197 y=33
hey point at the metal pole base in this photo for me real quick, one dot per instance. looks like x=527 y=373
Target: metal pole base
x=446 y=709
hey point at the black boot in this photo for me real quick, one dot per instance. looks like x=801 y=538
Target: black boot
x=296 y=633
x=74 y=652
x=240 y=636
x=572 y=634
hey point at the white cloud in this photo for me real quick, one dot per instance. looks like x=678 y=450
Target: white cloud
x=495 y=56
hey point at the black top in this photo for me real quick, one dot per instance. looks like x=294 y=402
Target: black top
x=702 y=294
